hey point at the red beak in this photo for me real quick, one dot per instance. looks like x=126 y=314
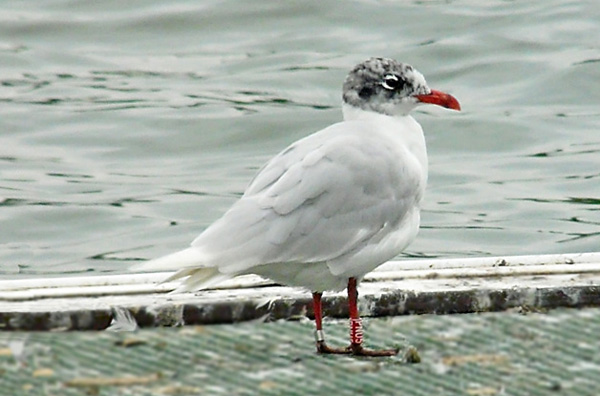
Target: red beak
x=441 y=99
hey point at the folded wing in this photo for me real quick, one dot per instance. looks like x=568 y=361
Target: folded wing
x=326 y=196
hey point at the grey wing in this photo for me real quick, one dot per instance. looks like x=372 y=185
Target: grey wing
x=321 y=198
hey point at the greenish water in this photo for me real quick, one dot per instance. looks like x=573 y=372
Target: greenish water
x=127 y=127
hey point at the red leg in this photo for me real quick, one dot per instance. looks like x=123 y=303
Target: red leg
x=356 y=330
x=319 y=335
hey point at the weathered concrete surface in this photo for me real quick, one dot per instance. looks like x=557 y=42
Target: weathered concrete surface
x=396 y=288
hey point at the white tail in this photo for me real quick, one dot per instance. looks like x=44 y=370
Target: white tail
x=190 y=257
x=191 y=264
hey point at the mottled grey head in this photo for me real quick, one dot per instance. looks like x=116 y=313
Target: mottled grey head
x=388 y=87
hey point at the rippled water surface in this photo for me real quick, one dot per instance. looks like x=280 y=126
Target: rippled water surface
x=127 y=127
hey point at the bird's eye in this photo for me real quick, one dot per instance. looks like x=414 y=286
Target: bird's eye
x=391 y=82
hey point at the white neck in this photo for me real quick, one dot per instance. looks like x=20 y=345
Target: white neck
x=352 y=113
x=402 y=128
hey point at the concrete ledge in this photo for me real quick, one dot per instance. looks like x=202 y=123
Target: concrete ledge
x=395 y=288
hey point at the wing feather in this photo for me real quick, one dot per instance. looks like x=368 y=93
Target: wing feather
x=323 y=197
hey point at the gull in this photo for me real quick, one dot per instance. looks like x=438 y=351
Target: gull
x=332 y=206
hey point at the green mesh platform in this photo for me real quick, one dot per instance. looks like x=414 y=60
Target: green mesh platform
x=506 y=353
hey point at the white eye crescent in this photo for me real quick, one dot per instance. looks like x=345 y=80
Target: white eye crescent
x=390 y=82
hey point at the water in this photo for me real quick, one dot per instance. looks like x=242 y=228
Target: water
x=127 y=128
